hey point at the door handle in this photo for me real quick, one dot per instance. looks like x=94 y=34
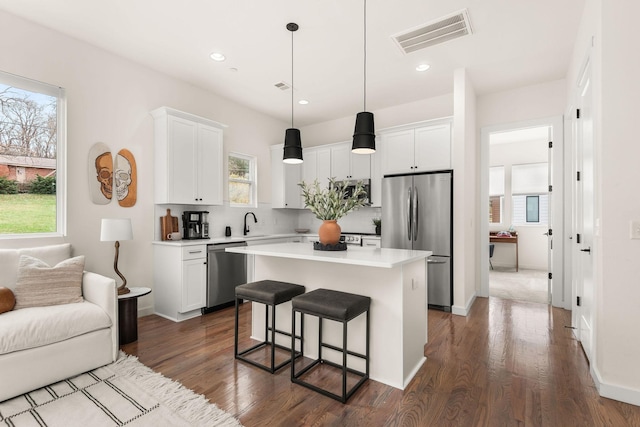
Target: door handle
x=588 y=250
x=409 y=212
x=415 y=213
x=433 y=261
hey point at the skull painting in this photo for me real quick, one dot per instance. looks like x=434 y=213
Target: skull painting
x=125 y=178
x=104 y=174
x=122 y=177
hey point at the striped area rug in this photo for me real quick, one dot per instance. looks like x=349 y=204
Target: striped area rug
x=123 y=393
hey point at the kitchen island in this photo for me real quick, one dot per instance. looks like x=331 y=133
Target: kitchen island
x=394 y=279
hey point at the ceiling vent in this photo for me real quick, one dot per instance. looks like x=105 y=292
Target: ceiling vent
x=282 y=86
x=435 y=32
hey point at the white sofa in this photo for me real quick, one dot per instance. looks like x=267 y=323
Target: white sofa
x=42 y=345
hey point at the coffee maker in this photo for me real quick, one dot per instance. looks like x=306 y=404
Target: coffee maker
x=195 y=225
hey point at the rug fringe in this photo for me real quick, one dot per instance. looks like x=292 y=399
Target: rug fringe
x=193 y=407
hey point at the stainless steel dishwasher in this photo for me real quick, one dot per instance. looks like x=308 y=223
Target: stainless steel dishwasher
x=225 y=271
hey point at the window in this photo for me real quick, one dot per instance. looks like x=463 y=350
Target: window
x=32 y=147
x=496 y=194
x=242 y=180
x=529 y=187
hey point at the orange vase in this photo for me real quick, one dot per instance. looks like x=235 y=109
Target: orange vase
x=329 y=232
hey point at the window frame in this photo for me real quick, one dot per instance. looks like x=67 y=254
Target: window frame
x=253 y=181
x=59 y=93
x=500 y=195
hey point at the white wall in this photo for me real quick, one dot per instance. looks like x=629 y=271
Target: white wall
x=109 y=99
x=532 y=243
x=465 y=162
x=610 y=26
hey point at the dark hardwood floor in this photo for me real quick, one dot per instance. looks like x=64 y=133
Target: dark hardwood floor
x=507 y=363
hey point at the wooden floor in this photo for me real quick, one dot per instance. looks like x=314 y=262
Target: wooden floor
x=507 y=363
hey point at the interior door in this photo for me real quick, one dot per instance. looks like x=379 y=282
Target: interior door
x=584 y=215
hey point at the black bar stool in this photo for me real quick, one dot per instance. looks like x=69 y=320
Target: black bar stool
x=270 y=293
x=340 y=307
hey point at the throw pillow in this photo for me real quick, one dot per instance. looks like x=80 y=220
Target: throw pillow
x=7 y=300
x=39 y=284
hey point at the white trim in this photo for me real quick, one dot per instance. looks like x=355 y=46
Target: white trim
x=616 y=392
x=464 y=311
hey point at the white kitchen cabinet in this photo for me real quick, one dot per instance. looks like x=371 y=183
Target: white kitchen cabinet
x=418 y=149
x=317 y=165
x=285 y=192
x=179 y=280
x=347 y=165
x=188 y=158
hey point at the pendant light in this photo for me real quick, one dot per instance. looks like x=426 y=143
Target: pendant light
x=364 y=135
x=292 y=142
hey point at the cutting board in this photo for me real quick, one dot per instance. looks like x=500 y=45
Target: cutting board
x=168 y=224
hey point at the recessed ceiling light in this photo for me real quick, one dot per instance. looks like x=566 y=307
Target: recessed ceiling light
x=303 y=102
x=423 y=67
x=217 y=56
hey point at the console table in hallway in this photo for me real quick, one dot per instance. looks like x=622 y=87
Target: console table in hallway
x=494 y=238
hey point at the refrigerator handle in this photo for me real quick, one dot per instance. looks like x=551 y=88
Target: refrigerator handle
x=416 y=213
x=409 y=213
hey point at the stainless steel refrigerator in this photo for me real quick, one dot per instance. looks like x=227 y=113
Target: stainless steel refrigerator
x=417 y=213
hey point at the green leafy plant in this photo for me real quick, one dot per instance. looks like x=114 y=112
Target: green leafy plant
x=332 y=203
x=377 y=222
x=46 y=185
x=8 y=186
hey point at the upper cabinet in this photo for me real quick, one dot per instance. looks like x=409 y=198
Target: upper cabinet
x=285 y=192
x=418 y=149
x=347 y=165
x=188 y=158
x=317 y=165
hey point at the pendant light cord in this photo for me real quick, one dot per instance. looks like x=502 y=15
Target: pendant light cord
x=291 y=79
x=365 y=56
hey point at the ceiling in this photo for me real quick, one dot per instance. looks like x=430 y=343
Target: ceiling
x=514 y=43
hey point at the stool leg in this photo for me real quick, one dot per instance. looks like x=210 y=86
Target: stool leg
x=273 y=337
x=367 y=347
x=235 y=342
x=320 y=339
x=293 y=344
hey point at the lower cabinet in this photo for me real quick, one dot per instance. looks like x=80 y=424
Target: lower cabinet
x=180 y=280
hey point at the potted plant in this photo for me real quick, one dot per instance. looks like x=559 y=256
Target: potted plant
x=330 y=204
x=377 y=222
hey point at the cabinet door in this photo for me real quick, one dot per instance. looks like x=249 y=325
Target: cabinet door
x=360 y=165
x=398 y=152
x=323 y=166
x=285 y=177
x=292 y=193
x=181 y=161
x=209 y=166
x=340 y=161
x=433 y=148
x=194 y=284
x=310 y=165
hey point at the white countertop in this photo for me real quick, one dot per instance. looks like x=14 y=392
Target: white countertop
x=354 y=255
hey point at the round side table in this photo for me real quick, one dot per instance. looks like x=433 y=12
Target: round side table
x=128 y=314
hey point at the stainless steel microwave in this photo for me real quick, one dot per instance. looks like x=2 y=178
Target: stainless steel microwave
x=350 y=185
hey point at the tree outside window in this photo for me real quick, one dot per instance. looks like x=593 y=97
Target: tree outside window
x=242 y=180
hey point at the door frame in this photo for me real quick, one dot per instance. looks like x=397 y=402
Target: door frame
x=561 y=290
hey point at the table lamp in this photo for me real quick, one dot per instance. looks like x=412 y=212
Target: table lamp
x=116 y=230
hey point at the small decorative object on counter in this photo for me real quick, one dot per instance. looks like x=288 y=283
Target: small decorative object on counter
x=227 y=231
x=377 y=222
x=330 y=204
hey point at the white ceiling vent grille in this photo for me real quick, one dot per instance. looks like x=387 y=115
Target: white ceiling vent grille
x=435 y=32
x=282 y=86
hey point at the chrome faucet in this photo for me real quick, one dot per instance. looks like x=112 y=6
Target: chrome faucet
x=246 y=227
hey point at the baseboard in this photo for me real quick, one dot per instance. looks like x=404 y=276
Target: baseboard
x=464 y=311
x=615 y=392
x=145 y=311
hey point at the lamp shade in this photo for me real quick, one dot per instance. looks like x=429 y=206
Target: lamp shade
x=364 y=136
x=292 y=146
x=115 y=229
